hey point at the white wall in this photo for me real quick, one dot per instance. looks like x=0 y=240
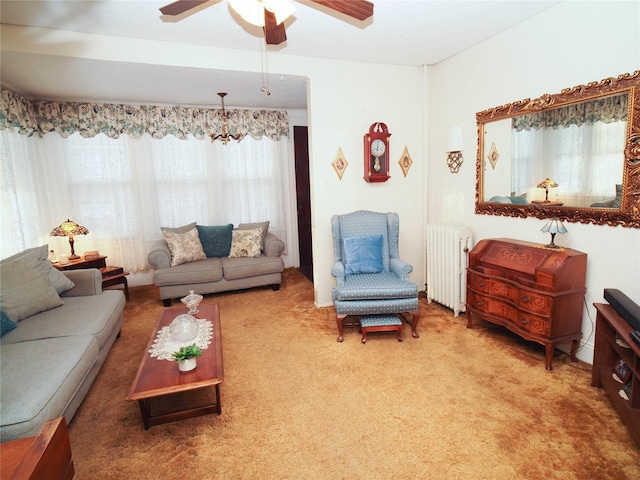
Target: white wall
x=570 y=44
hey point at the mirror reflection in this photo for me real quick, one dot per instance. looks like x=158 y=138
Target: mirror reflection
x=574 y=155
x=579 y=148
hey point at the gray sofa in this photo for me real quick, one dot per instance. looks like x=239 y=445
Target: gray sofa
x=216 y=274
x=50 y=359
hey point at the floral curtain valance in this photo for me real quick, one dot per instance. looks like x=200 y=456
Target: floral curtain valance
x=606 y=110
x=38 y=117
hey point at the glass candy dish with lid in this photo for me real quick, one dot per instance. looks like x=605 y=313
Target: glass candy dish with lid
x=192 y=301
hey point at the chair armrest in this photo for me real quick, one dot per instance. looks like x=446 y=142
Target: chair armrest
x=160 y=255
x=88 y=282
x=338 y=271
x=273 y=246
x=401 y=268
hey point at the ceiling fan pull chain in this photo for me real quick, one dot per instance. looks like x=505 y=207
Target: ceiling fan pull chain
x=264 y=62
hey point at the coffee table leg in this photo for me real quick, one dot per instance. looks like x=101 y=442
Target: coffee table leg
x=218 y=400
x=145 y=410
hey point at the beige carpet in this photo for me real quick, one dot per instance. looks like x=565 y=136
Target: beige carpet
x=453 y=404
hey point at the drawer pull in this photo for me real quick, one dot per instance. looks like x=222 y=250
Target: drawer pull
x=524 y=320
x=481 y=283
x=525 y=299
x=480 y=303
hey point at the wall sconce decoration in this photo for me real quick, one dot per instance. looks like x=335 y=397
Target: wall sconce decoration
x=546 y=184
x=224 y=137
x=405 y=161
x=454 y=149
x=69 y=229
x=553 y=226
x=340 y=163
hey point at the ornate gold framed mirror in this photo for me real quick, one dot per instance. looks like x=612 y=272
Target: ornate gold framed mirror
x=573 y=155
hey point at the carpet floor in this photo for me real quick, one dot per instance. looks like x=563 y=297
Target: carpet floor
x=455 y=403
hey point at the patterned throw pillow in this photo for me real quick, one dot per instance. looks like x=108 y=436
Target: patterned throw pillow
x=184 y=247
x=246 y=243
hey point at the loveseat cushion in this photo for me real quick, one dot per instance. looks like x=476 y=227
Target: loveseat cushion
x=235 y=268
x=202 y=271
x=39 y=378
x=93 y=315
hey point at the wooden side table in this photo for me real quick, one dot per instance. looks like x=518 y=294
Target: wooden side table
x=111 y=275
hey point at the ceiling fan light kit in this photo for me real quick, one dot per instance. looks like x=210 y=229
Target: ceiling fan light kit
x=253 y=11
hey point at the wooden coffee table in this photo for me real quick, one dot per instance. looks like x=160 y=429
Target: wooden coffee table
x=159 y=378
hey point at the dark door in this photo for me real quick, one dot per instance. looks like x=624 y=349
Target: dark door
x=303 y=199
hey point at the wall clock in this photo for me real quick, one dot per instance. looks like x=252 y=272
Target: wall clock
x=376 y=153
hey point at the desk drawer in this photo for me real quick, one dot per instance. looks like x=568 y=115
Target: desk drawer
x=494 y=287
x=493 y=306
x=535 y=302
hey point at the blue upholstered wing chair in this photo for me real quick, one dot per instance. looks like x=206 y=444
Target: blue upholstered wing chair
x=370 y=277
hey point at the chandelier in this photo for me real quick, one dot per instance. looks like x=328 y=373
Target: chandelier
x=224 y=137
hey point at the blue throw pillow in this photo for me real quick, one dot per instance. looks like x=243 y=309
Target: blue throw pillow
x=216 y=241
x=362 y=254
x=6 y=324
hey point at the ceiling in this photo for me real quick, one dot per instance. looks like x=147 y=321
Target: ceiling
x=401 y=32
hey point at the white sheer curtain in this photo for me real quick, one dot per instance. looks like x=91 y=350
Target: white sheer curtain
x=123 y=190
x=586 y=162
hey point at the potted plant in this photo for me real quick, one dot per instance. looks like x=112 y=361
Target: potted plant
x=186 y=357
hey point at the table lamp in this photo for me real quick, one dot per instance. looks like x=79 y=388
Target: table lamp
x=553 y=226
x=69 y=229
x=546 y=184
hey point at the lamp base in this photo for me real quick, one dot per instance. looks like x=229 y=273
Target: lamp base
x=74 y=257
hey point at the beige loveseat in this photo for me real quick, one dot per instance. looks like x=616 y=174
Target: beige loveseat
x=218 y=272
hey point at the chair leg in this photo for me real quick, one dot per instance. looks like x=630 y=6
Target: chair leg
x=415 y=317
x=339 y=320
x=400 y=333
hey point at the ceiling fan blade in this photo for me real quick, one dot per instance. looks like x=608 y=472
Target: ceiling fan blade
x=274 y=34
x=358 y=9
x=181 y=6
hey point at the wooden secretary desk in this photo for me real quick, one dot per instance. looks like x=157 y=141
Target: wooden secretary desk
x=535 y=291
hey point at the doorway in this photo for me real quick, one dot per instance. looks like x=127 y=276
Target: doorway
x=303 y=200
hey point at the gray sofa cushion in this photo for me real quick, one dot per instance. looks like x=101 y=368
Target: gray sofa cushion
x=91 y=315
x=208 y=270
x=30 y=394
x=26 y=288
x=241 y=267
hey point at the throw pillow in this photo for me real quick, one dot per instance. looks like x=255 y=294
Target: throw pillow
x=362 y=254
x=59 y=280
x=216 y=241
x=246 y=243
x=26 y=288
x=184 y=247
x=184 y=229
x=6 y=324
x=263 y=226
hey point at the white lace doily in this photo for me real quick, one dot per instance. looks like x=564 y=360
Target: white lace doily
x=163 y=347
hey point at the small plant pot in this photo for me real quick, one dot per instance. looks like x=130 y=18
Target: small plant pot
x=187 y=365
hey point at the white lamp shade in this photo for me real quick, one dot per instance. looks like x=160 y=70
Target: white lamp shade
x=252 y=11
x=454 y=140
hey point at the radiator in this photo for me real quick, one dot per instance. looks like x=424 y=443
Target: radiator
x=447 y=254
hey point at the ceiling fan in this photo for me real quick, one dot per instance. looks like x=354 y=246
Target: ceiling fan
x=273 y=25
